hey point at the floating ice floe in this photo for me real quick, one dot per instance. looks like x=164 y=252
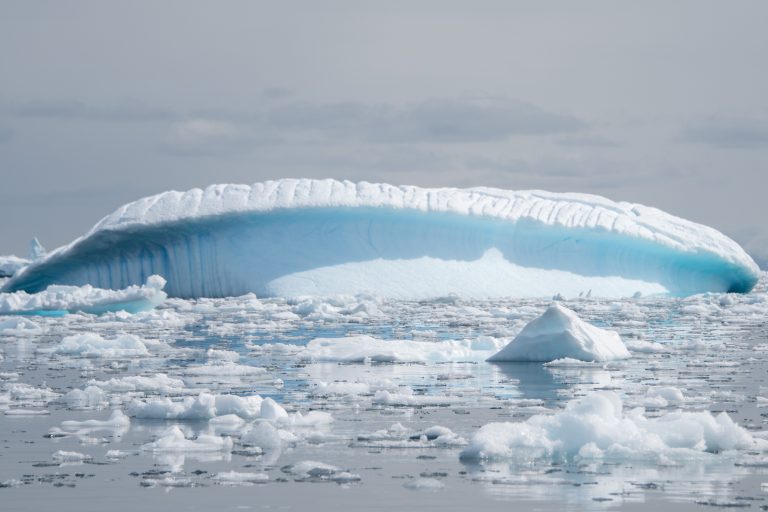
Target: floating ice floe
x=224 y=369
x=26 y=392
x=94 y=345
x=58 y=300
x=240 y=478
x=173 y=440
x=158 y=383
x=398 y=436
x=560 y=333
x=312 y=471
x=424 y=484
x=18 y=326
x=596 y=426
x=359 y=349
x=325 y=237
x=88 y=398
x=64 y=457
x=117 y=420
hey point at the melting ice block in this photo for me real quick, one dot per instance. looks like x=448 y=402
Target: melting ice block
x=325 y=237
x=560 y=333
x=597 y=426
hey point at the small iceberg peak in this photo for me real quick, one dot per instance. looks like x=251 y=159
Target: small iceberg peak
x=559 y=333
x=36 y=250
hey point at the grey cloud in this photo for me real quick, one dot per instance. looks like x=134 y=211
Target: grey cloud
x=588 y=141
x=728 y=132
x=6 y=134
x=435 y=120
x=126 y=111
x=451 y=120
x=276 y=92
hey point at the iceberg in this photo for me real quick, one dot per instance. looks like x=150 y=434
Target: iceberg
x=295 y=237
x=559 y=333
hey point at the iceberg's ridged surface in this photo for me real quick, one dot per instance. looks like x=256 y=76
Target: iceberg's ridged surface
x=301 y=236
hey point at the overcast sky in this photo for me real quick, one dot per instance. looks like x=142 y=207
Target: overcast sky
x=661 y=103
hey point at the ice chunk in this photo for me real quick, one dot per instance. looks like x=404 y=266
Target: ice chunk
x=206 y=406
x=63 y=457
x=264 y=435
x=19 y=326
x=93 y=345
x=324 y=237
x=202 y=407
x=424 y=484
x=117 y=420
x=89 y=397
x=596 y=426
x=224 y=369
x=663 y=396
x=240 y=478
x=159 y=383
x=312 y=471
x=358 y=349
x=560 y=333
x=57 y=300
x=173 y=440
x=271 y=410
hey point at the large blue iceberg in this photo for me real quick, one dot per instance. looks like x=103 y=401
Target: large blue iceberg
x=320 y=237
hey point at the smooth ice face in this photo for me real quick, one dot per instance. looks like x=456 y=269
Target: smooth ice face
x=559 y=333
x=312 y=237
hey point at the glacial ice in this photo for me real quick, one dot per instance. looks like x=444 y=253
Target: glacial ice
x=560 y=333
x=10 y=265
x=321 y=237
x=58 y=300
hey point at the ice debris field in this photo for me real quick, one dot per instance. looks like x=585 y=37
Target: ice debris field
x=641 y=393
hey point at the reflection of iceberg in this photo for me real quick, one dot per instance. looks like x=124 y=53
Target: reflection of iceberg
x=533 y=381
x=60 y=300
x=294 y=237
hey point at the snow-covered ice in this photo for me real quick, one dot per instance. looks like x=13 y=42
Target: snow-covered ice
x=597 y=426
x=10 y=265
x=60 y=299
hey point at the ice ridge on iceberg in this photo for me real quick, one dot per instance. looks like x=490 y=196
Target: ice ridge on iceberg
x=319 y=237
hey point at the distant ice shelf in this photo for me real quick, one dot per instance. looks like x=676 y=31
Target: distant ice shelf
x=297 y=237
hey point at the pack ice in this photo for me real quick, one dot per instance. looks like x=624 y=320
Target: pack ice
x=297 y=237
